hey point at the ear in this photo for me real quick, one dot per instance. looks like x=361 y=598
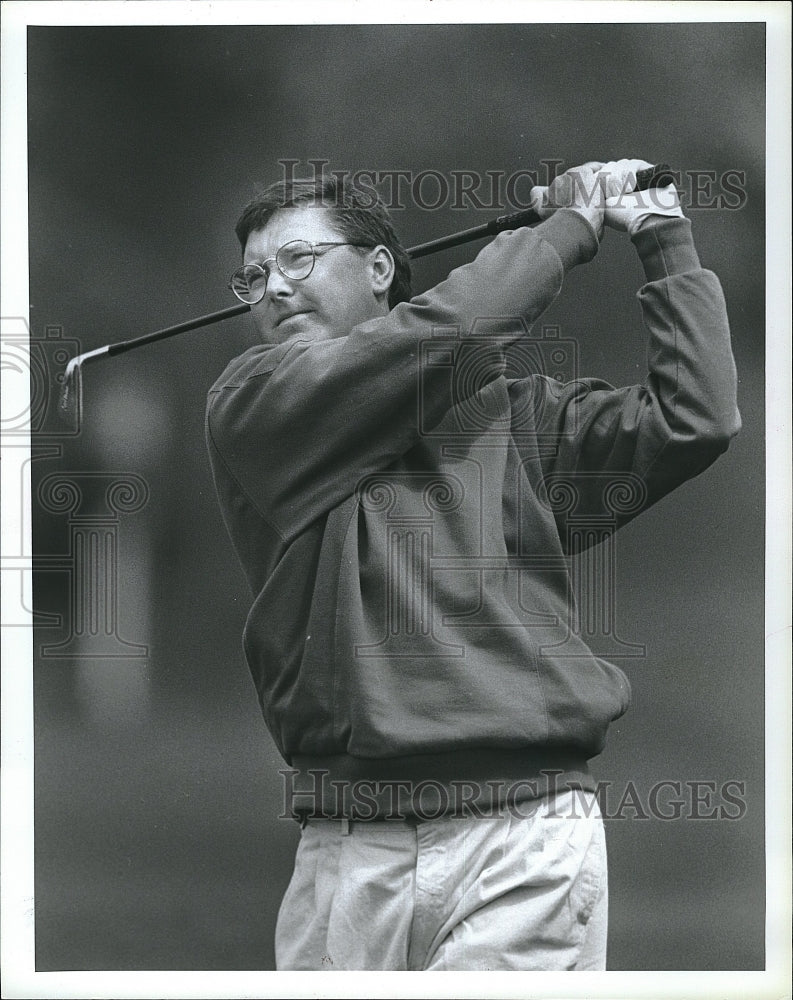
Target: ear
x=382 y=270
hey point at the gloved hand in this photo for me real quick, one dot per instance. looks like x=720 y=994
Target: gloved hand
x=604 y=194
x=578 y=189
x=629 y=210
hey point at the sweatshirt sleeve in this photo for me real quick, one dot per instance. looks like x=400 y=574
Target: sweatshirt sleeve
x=645 y=440
x=297 y=426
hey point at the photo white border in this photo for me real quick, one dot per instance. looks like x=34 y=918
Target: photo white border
x=16 y=862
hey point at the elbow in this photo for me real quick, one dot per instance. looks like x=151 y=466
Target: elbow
x=698 y=443
x=718 y=437
x=713 y=437
x=735 y=425
x=725 y=428
x=711 y=421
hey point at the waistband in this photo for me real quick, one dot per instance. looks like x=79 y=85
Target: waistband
x=475 y=782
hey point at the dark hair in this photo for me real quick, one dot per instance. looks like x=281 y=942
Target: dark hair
x=359 y=217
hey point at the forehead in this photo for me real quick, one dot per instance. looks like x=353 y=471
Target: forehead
x=308 y=222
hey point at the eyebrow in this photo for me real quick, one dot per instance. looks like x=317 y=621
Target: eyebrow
x=271 y=256
x=314 y=243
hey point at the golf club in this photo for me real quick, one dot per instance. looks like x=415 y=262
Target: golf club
x=71 y=398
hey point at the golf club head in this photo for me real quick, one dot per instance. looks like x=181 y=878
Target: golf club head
x=70 y=404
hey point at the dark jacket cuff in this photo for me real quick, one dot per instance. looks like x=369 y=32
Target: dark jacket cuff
x=666 y=247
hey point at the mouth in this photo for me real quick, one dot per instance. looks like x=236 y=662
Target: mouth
x=287 y=316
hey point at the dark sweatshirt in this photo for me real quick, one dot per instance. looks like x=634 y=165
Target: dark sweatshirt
x=404 y=508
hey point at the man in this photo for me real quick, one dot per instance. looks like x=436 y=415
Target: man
x=399 y=499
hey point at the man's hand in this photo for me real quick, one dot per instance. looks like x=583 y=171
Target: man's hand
x=630 y=210
x=578 y=189
x=605 y=194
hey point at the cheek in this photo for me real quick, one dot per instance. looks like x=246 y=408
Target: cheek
x=357 y=298
x=338 y=303
x=263 y=324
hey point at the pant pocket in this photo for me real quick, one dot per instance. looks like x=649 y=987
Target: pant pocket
x=575 y=850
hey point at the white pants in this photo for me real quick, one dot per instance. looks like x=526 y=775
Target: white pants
x=513 y=892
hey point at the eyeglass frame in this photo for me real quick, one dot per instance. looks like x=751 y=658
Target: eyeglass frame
x=267 y=260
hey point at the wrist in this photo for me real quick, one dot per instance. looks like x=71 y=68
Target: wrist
x=572 y=236
x=666 y=247
x=648 y=221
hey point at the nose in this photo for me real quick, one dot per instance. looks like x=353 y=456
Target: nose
x=278 y=285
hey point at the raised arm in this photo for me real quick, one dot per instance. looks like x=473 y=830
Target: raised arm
x=296 y=426
x=654 y=436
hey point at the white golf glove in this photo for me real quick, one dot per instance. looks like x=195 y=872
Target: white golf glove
x=625 y=208
x=629 y=210
x=578 y=189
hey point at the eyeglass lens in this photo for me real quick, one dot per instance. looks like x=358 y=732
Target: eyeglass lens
x=294 y=260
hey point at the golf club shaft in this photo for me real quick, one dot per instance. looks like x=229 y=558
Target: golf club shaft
x=172 y=331
x=656 y=176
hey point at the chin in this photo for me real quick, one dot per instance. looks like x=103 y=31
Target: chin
x=305 y=326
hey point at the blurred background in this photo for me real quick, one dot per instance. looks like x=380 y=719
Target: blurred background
x=158 y=842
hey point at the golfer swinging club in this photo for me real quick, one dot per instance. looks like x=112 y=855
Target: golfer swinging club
x=393 y=491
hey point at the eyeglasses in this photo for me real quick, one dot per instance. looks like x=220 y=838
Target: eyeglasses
x=294 y=260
